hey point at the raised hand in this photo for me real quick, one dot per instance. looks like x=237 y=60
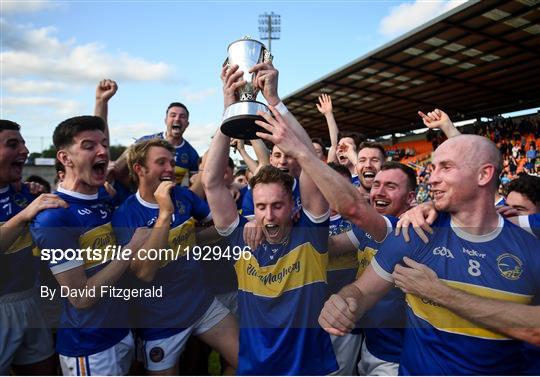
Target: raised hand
x=230 y=77
x=280 y=133
x=439 y=119
x=325 y=104
x=105 y=90
x=266 y=79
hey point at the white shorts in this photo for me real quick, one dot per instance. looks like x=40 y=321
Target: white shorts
x=24 y=336
x=114 y=361
x=346 y=349
x=230 y=300
x=162 y=354
x=370 y=365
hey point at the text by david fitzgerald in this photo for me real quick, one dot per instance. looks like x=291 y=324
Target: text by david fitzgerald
x=101 y=292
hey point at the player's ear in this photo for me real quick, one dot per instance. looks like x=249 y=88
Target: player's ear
x=137 y=168
x=486 y=174
x=64 y=158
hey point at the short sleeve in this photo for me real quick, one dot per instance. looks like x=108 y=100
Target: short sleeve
x=53 y=236
x=392 y=251
x=201 y=211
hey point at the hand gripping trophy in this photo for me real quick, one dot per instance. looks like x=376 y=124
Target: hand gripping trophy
x=239 y=118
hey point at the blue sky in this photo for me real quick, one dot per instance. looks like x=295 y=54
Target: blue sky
x=53 y=53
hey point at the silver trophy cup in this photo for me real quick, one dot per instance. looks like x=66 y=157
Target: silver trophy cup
x=239 y=118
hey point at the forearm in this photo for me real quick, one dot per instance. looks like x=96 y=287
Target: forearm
x=105 y=277
x=332 y=129
x=11 y=230
x=251 y=163
x=343 y=196
x=144 y=268
x=262 y=153
x=352 y=291
x=512 y=319
x=216 y=161
x=101 y=109
x=450 y=130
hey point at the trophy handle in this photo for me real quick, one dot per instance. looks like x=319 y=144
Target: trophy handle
x=226 y=62
x=267 y=56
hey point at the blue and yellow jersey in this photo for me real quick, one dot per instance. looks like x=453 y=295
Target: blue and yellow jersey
x=186 y=157
x=502 y=265
x=248 y=208
x=85 y=224
x=184 y=297
x=18 y=269
x=341 y=268
x=282 y=289
x=383 y=324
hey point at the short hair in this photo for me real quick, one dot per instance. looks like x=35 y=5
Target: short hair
x=9 y=125
x=318 y=140
x=527 y=185
x=271 y=174
x=240 y=172
x=409 y=172
x=136 y=153
x=231 y=164
x=66 y=131
x=177 y=104
x=341 y=169
x=374 y=145
x=356 y=136
x=42 y=181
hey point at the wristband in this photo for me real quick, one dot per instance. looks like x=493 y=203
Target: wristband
x=281 y=108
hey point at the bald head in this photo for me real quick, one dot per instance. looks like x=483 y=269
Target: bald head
x=475 y=151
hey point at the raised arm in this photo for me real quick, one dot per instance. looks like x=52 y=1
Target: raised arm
x=267 y=79
x=261 y=152
x=512 y=319
x=439 y=119
x=219 y=199
x=338 y=191
x=325 y=107
x=105 y=90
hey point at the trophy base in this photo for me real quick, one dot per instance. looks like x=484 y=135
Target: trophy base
x=239 y=120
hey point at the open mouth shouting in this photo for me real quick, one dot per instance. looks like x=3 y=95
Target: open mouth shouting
x=342 y=159
x=100 y=168
x=368 y=176
x=272 y=229
x=176 y=129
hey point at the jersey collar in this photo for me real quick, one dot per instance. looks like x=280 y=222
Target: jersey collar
x=144 y=202
x=461 y=233
x=77 y=195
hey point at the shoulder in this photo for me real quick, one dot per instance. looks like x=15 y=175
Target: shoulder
x=55 y=217
x=121 y=215
x=158 y=135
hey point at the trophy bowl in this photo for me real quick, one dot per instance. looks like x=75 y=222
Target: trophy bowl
x=239 y=118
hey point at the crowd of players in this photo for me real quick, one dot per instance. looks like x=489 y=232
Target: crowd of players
x=323 y=283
